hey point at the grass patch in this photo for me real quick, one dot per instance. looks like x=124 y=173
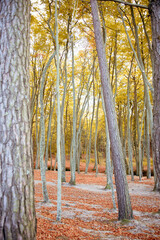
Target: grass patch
x=125 y=221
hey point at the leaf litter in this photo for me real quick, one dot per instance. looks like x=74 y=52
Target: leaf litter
x=87 y=209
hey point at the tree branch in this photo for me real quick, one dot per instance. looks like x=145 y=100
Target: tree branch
x=125 y=3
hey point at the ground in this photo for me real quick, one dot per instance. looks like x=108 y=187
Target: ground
x=87 y=209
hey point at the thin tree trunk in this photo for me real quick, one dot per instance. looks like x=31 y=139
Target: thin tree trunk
x=109 y=168
x=42 y=133
x=115 y=66
x=51 y=162
x=124 y=204
x=108 y=161
x=140 y=146
x=73 y=155
x=95 y=141
x=37 y=137
x=90 y=136
x=78 y=136
x=128 y=125
x=148 y=146
x=58 y=122
x=63 y=152
x=49 y=130
x=136 y=142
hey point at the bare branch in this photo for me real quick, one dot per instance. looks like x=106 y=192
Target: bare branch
x=125 y=3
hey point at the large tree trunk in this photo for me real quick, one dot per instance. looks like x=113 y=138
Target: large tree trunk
x=155 y=20
x=124 y=204
x=17 y=209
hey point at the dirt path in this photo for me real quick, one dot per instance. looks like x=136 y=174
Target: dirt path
x=87 y=210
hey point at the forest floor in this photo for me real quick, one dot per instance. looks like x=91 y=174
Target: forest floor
x=87 y=209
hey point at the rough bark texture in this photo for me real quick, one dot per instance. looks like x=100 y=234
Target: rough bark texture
x=155 y=21
x=17 y=209
x=124 y=204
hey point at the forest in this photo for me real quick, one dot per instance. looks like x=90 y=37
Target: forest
x=79 y=119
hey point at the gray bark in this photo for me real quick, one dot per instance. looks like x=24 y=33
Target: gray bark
x=73 y=152
x=49 y=129
x=148 y=146
x=90 y=136
x=140 y=147
x=42 y=132
x=58 y=122
x=78 y=137
x=37 y=137
x=128 y=126
x=109 y=168
x=17 y=208
x=124 y=204
x=136 y=127
x=95 y=141
x=155 y=21
x=63 y=153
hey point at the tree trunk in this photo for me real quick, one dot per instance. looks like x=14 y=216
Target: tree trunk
x=90 y=136
x=49 y=129
x=128 y=125
x=95 y=139
x=37 y=138
x=136 y=142
x=73 y=156
x=63 y=151
x=109 y=168
x=58 y=123
x=42 y=132
x=124 y=204
x=155 y=21
x=17 y=209
x=148 y=146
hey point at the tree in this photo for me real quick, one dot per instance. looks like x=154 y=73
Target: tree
x=73 y=144
x=155 y=21
x=42 y=133
x=58 y=122
x=17 y=209
x=124 y=204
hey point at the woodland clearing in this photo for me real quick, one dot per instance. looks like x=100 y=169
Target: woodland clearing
x=87 y=209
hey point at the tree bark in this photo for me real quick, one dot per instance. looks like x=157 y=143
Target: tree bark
x=42 y=132
x=109 y=168
x=124 y=204
x=58 y=123
x=95 y=138
x=73 y=152
x=49 y=129
x=155 y=21
x=90 y=136
x=17 y=209
x=128 y=125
